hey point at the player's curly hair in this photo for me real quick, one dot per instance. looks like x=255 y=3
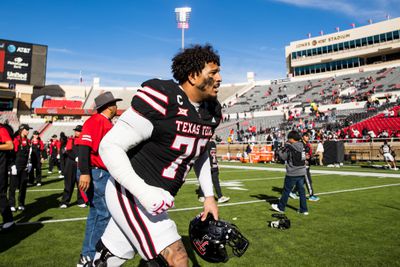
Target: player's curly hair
x=192 y=60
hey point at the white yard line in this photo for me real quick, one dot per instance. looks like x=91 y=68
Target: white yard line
x=225 y=205
x=346 y=173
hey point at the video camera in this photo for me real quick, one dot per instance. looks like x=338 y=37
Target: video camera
x=282 y=223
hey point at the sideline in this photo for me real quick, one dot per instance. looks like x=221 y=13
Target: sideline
x=224 y=205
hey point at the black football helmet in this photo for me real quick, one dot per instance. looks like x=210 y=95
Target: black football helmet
x=211 y=239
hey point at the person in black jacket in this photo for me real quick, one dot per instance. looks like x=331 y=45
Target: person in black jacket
x=70 y=168
x=54 y=154
x=20 y=168
x=212 y=154
x=35 y=175
x=63 y=156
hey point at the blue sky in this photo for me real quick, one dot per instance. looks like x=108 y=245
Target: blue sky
x=126 y=42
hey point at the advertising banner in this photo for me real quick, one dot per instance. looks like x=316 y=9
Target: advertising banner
x=16 y=63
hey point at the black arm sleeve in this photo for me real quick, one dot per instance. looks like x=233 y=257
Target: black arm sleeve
x=84 y=159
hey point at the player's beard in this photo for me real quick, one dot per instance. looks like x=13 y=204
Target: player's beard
x=209 y=82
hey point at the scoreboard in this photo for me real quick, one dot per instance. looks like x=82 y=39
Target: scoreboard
x=22 y=63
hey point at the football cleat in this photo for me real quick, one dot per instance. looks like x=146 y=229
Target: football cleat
x=84 y=261
x=223 y=199
x=216 y=241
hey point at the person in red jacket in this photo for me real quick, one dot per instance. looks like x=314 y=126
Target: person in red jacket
x=93 y=172
x=35 y=175
x=54 y=154
x=6 y=145
x=20 y=168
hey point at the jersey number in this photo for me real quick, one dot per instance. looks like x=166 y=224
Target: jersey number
x=189 y=143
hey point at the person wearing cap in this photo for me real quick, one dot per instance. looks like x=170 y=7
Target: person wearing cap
x=70 y=167
x=6 y=145
x=20 y=167
x=54 y=151
x=307 y=178
x=35 y=175
x=93 y=172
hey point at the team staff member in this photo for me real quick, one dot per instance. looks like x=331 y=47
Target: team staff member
x=36 y=159
x=150 y=150
x=20 y=168
x=71 y=153
x=93 y=172
x=54 y=151
x=6 y=145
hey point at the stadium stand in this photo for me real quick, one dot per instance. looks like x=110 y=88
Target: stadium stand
x=125 y=94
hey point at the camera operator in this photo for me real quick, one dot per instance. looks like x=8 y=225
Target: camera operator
x=295 y=160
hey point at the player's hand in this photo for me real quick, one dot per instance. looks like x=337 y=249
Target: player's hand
x=84 y=182
x=156 y=200
x=210 y=206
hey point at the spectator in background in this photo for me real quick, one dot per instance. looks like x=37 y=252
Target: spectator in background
x=320 y=152
x=247 y=151
x=371 y=134
x=35 y=175
x=54 y=157
x=387 y=153
x=20 y=167
x=6 y=146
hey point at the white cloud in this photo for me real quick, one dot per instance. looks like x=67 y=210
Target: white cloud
x=61 y=50
x=362 y=9
x=62 y=75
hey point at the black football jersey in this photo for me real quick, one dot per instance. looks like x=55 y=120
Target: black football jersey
x=180 y=133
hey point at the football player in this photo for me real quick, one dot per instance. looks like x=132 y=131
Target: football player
x=149 y=152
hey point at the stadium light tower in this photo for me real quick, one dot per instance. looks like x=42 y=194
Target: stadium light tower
x=182 y=18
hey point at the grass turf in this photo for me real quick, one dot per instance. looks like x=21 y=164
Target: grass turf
x=353 y=228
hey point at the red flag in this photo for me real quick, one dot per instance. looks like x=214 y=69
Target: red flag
x=353 y=25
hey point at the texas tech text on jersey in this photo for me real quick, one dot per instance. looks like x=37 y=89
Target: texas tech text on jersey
x=179 y=137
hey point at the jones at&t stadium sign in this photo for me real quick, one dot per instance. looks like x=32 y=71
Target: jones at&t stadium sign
x=323 y=41
x=15 y=62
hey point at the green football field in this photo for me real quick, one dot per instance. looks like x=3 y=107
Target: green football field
x=355 y=223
